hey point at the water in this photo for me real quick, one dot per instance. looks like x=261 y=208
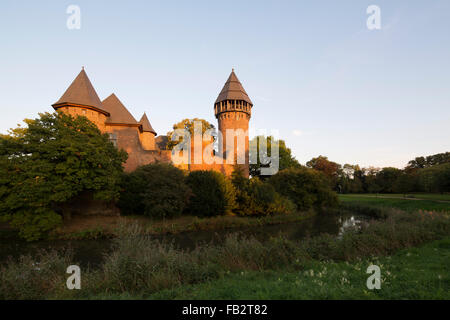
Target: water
x=91 y=252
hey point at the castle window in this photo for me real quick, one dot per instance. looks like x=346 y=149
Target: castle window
x=83 y=112
x=113 y=138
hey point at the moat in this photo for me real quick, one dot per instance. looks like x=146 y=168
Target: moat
x=91 y=252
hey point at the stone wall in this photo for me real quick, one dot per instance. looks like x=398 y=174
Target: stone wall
x=128 y=139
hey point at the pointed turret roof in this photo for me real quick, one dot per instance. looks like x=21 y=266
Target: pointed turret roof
x=146 y=126
x=233 y=90
x=118 y=112
x=81 y=92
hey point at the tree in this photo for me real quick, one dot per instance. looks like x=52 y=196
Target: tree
x=405 y=183
x=257 y=198
x=155 y=190
x=370 y=182
x=387 y=177
x=212 y=194
x=429 y=161
x=50 y=162
x=435 y=178
x=331 y=169
x=351 y=179
x=187 y=124
x=286 y=159
x=305 y=187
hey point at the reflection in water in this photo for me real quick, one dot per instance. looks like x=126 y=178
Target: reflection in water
x=91 y=252
x=350 y=223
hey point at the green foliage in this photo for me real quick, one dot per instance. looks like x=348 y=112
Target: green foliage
x=330 y=169
x=429 y=161
x=213 y=194
x=423 y=174
x=306 y=187
x=54 y=159
x=387 y=177
x=435 y=179
x=155 y=190
x=187 y=124
x=257 y=198
x=286 y=159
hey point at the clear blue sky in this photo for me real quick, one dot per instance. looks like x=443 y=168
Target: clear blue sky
x=312 y=68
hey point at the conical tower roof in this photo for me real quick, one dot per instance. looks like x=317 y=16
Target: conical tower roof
x=233 y=90
x=146 y=126
x=80 y=92
x=118 y=112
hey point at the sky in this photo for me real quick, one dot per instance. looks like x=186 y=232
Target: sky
x=314 y=71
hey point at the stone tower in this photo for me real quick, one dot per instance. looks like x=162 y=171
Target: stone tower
x=81 y=99
x=233 y=110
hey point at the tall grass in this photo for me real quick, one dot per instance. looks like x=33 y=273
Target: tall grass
x=140 y=265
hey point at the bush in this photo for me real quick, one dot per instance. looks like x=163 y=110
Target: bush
x=156 y=190
x=213 y=194
x=307 y=188
x=255 y=197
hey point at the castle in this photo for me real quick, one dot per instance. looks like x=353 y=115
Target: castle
x=232 y=109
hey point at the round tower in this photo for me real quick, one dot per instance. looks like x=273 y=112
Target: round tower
x=233 y=109
x=81 y=99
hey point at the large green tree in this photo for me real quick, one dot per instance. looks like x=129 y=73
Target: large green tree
x=429 y=161
x=286 y=159
x=49 y=162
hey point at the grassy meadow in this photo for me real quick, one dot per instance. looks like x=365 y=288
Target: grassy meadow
x=432 y=202
x=415 y=273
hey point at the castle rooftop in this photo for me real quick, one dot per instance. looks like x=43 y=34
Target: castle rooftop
x=119 y=114
x=80 y=92
x=146 y=126
x=233 y=90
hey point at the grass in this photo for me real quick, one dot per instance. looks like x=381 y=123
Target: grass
x=419 y=196
x=416 y=273
x=403 y=204
x=141 y=267
x=96 y=227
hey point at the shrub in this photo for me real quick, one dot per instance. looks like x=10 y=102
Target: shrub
x=156 y=190
x=307 y=188
x=213 y=194
x=255 y=197
x=35 y=277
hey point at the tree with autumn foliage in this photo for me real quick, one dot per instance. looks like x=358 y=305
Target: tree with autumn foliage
x=331 y=169
x=47 y=163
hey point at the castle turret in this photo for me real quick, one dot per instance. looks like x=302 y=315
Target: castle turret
x=148 y=134
x=233 y=111
x=81 y=99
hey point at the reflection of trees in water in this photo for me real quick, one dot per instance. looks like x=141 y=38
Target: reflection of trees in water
x=92 y=251
x=349 y=223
